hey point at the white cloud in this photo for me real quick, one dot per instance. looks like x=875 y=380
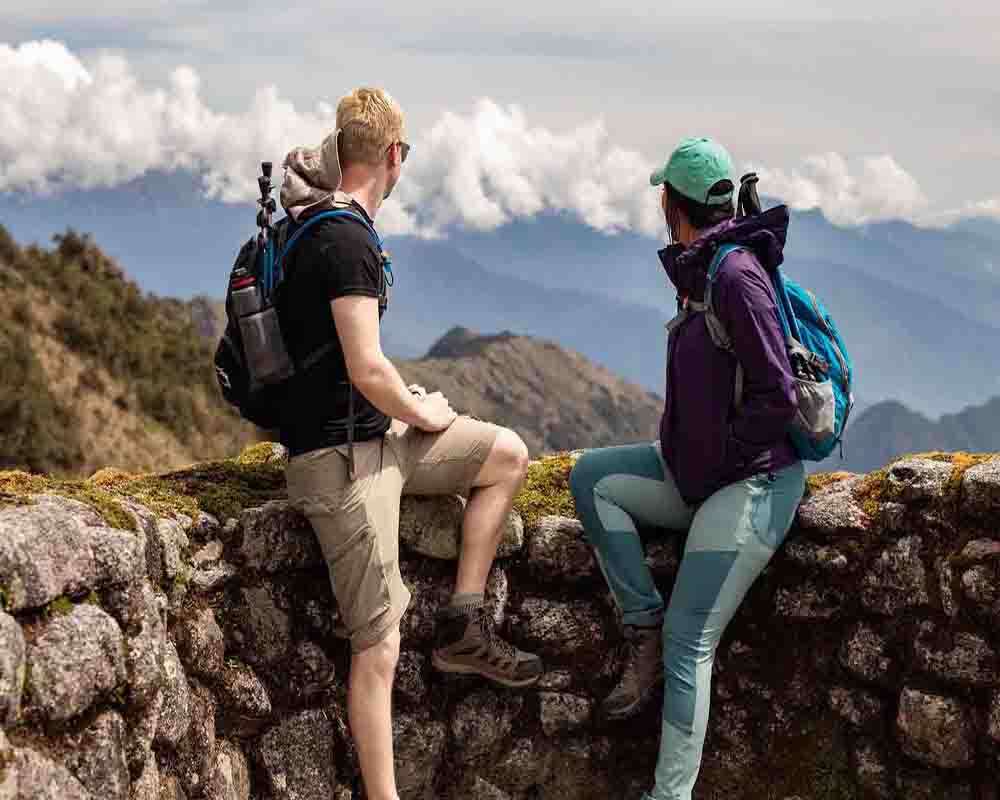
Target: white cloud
x=876 y=188
x=68 y=123
x=77 y=125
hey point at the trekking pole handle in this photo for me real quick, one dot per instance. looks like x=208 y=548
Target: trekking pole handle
x=749 y=202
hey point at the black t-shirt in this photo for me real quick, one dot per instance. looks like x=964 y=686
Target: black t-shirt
x=335 y=258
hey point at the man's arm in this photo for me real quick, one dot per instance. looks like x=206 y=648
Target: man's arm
x=357 y=321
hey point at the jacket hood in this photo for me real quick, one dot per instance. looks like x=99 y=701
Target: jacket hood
x=312 y=179
x=763 y=234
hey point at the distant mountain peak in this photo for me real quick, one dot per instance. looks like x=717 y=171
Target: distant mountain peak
x=460 y=342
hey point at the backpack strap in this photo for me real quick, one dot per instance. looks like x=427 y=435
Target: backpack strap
x=716 y=330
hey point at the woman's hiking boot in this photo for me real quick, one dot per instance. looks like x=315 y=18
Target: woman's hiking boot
x=466 y=643
x=643 y=672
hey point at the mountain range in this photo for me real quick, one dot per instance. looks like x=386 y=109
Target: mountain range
x=888 y=430
x=94 y=372
x=919 y=308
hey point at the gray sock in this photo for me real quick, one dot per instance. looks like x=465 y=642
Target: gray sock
x=466 y=603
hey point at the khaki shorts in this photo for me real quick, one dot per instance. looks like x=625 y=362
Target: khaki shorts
x=357 y=523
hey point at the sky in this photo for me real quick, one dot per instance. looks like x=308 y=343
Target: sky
x=868 y=110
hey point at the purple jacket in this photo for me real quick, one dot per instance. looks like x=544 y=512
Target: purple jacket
x=707 y=444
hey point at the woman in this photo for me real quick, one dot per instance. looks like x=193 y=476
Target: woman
x=728 y=475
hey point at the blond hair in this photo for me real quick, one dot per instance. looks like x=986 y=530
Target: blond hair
x=370 y=121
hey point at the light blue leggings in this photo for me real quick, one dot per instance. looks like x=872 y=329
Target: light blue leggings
x=732 y=536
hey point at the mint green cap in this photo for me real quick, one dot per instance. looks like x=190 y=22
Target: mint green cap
x=694 y=167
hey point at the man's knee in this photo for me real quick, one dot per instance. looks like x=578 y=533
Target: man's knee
x=381 y=658
x=510 y=454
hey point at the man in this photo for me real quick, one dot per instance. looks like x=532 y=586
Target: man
x=359 y=437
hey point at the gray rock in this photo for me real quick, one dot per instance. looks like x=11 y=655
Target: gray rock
x=481 y=723
x=204 y=581
x=568 y=632
x=556 y=548
x=956 y=657
x=243 y=697
x=166 y=545
x=200 y=643
x=96 y=756
x=203 y=527
x=981 y=550
x=527 y=763
x=663 y=557
x=555 y=680
x=946 y=585
x=918 y=479
x=410 y=685
x=310 y=672
x=930 y=785
x=857 y=706
x=13 y=664
x=497 y=595
x=428 y=594
x=981 y=489
x=897 y=579
x=147 y=785
x=39 y=778
x=170 y=789
x=195 y=761
x=810 y=555
x=208 y=555
x=418 y=743
x=993 y=723
x=512 y=536
x=264 y=628
x=8 y=778
x=231 y=778
x=577 y=771
x=864 y=653
x=146 y=643
x=981 y=585
x=872 y=770
x=475 y=786
x=76 y=659
x=432 y=526
x=561 y=713
x=297 y=757
x=935 y=730
x=810 y=601
x=277 y=538
x=833 y=510
x=175 y=718
x=61 y=547
x=141 y=723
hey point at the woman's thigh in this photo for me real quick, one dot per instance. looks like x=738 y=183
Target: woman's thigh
x=632 y=478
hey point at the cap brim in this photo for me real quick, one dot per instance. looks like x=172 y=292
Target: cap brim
x=659 y=177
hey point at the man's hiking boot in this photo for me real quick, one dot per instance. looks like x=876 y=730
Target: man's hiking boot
x=466 y=642
x=643 y=672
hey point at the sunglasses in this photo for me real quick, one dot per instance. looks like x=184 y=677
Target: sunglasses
x=404 y=150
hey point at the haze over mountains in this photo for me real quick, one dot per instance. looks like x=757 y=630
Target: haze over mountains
x=920 y=308
x=95 y=373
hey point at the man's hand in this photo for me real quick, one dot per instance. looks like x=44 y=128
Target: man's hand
x=437 y=413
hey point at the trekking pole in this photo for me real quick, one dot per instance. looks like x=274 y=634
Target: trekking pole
x=267 y=208
x=749 y=202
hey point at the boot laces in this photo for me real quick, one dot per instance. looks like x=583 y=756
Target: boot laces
x=493 y=639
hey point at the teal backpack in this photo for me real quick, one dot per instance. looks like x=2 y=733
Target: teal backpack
x=820 y=362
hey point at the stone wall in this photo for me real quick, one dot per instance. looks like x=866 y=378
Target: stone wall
x=201 y=658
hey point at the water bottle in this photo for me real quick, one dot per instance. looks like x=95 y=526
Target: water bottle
x=267 y=357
